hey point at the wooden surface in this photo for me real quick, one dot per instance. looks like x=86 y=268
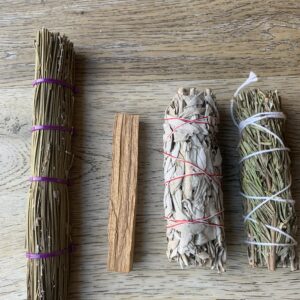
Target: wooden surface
x=123 y=193
x=131 y=57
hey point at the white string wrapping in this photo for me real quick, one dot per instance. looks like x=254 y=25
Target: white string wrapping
x=252 y=78
x=294 y=242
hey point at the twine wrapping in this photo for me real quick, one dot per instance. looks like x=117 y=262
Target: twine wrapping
x=48 y=240
x=193 y=198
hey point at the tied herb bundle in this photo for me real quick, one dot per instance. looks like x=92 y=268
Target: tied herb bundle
x=48 y=241
x=193 y=198
x=270 y=218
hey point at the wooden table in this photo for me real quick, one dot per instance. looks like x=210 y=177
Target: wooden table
x=131 y=57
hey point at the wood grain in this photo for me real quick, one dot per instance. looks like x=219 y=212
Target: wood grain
x=123 y=193
x=132 y=56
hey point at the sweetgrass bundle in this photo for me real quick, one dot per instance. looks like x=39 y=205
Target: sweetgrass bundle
x=193 y=198
x=48 y=240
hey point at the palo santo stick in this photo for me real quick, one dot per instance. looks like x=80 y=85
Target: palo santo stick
x=123 y=193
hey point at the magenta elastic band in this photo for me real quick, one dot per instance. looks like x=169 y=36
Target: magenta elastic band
x=52 y=127
x=69 y=249
x=48 y=179
x=56 y=81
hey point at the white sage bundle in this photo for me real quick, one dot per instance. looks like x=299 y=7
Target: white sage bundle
x=193 y=198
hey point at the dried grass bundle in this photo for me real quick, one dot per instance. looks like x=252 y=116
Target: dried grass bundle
x=48 y=240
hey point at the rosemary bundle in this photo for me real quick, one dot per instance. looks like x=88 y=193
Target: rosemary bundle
x=193 y=198
x=270 y=218
x=48 y=241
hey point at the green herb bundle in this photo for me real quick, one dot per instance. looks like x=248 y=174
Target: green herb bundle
x=48 y=229
x=270 y=218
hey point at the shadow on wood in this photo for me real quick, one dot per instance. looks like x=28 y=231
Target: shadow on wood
x=76 y=188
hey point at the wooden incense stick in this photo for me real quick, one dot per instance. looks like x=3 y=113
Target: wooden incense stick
x=123 y=193
x=48 y=241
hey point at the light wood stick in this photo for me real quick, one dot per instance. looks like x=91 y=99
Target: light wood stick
x=123 y=193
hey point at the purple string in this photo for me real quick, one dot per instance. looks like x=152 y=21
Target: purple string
x=55 y=81
x=48 y=179
x=69 y=249
x=52 y=127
